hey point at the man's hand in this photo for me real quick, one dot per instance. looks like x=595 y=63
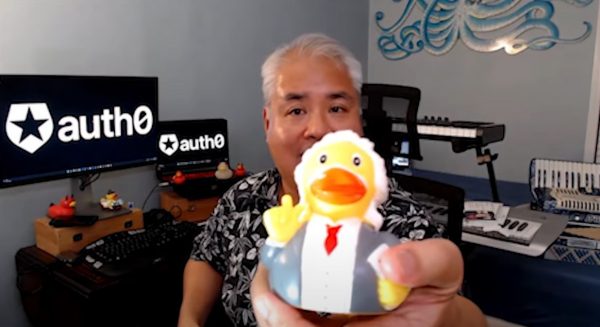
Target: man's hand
x=432 y=268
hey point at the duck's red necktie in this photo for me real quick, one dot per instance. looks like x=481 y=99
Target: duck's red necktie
x=331 y=240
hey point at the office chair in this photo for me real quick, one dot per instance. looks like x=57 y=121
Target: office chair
x=387 y=104
x=451 y=195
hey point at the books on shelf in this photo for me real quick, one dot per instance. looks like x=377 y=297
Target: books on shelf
x=577 y=244
x=580 y=237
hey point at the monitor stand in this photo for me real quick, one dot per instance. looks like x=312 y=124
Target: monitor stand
x=87 y=205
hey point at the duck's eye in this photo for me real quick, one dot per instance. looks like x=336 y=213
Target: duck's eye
x=323 y=158
x=356 y=161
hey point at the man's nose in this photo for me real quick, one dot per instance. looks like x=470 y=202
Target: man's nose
x=318 y=126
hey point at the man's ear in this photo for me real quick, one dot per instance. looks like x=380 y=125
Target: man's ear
x=265 y=116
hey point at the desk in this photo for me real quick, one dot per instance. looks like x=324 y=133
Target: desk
x=532 y=291
x=57 y=294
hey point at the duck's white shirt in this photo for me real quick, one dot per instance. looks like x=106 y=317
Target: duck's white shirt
x=327 y=279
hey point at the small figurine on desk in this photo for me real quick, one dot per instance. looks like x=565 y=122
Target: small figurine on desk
x=111 y=201
x=323 y=253
x=223 y=171
x=64 y=210
x=240 y=170
x=178 y=178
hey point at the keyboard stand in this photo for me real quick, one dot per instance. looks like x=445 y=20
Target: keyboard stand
x=486 y=157
x=552 y=226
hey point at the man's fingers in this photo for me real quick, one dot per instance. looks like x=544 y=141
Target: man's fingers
x=432 y=262
x=268 y=308
x=260 y=282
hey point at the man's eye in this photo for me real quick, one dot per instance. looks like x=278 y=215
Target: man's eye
x=295 y=112
x=336 y=109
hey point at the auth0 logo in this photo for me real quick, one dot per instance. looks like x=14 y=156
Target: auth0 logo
x=29 y=125
x=168 y=144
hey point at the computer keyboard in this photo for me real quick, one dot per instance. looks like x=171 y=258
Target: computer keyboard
x=124 y=252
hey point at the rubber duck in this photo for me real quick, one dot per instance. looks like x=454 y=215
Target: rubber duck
x=223 y=171
x=111 y=201
x=322 y=254
x=178 y=178
x=240 y=170
x=64 y=210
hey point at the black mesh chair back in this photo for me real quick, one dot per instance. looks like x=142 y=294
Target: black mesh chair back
x=427 y=191
x=384 y=105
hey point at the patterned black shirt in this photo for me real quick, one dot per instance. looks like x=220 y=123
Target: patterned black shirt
x=232 y=237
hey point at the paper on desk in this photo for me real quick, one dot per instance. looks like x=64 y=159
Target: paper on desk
x=482 y=206
x=498 y=211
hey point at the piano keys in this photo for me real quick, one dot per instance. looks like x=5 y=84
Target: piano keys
x=463 y=135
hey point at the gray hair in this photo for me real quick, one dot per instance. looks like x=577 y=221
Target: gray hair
x=311 y=44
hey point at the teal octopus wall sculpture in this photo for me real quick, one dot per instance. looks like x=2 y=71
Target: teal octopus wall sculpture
x=483 y=25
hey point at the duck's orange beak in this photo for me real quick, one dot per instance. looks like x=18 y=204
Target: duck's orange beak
x=338 y=186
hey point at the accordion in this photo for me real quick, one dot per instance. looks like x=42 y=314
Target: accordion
x=566 y=187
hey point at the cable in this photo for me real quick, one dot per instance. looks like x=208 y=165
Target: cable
x=87 y=180
x=163 y=184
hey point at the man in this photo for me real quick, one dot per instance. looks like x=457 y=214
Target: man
x=311 y=87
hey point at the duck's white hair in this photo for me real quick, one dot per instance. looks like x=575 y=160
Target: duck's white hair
x=312 y=44
x=381 y=181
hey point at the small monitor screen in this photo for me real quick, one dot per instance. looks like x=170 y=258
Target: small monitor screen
x=191 y=145
x=62 y=126
x=400 y=160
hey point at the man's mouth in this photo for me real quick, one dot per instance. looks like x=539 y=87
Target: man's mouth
x=338 y=186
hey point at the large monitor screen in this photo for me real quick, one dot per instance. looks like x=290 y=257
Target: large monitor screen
x=191 y=146
x=63 y=126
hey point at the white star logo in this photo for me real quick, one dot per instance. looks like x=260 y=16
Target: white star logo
x=168 y=144
x=29 y=125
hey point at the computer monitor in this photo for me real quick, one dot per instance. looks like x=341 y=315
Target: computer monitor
x=70 y=126
x=191 y=146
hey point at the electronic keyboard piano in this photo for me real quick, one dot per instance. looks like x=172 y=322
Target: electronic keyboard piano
x=463 y=135
x=388 y=131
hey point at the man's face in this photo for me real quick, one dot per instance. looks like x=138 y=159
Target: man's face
x=312 y=96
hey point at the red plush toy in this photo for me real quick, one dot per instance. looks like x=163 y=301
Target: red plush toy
x=64 y=210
